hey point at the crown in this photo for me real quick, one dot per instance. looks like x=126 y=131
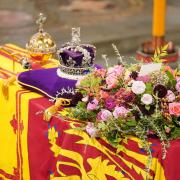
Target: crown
x=76 y=58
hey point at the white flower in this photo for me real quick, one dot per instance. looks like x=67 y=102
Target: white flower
x=147 y=99
x=138 y=87
x=85 y=99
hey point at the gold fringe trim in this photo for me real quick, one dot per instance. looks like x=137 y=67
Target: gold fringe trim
x=6 y=84
x=49 y=112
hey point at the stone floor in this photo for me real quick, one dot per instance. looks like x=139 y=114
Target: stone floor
x=103 y=22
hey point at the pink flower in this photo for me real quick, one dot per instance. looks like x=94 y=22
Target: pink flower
x=167 y=129
x=105 y=114
x=92 y=105
x=138 y=87
x=150 y=132
x=116 y=70
x=120 y=112
x=170 y=96
x=147 y=99
x=144 y=78
x=91 y=130
x=178 y=86
x=178 y=79
x=111 y=81
x=174 y=108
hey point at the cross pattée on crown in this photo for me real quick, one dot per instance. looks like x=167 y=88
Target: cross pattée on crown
x=40 y=21
x=76 y=36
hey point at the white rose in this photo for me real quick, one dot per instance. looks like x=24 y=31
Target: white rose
x=147 y=99
x=138 y=87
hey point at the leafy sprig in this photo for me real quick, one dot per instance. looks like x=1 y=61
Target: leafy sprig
x=160 y=53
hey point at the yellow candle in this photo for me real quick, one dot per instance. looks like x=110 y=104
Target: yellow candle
x=159 y=13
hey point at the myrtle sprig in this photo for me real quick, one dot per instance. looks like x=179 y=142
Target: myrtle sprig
x=119 y=57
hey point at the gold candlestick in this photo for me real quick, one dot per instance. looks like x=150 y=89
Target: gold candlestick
x=158 y=36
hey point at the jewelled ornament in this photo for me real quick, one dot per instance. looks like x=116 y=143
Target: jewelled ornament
x=41 y=46
x=75 y=58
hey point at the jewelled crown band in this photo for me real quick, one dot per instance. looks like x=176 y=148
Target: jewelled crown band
x=74 y=71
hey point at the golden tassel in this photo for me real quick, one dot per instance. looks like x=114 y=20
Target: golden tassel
x=6 y=84
x=49 y=112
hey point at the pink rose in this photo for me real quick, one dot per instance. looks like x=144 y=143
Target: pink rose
x=92 y=105
x=178 y=86
x=138 y=87
x=174 y=108
x=144 y=78
x=105 y=115
x=116 y=70
x=111 y=81
x=91 y=130
x=170 y=96
x=120 y=112
x=147 y=99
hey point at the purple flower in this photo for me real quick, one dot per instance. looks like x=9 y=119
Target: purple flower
x=92 y=105
x=120 y=112
x=91 y=130
x=110 y=104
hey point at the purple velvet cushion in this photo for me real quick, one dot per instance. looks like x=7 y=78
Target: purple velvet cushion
x=48 y=82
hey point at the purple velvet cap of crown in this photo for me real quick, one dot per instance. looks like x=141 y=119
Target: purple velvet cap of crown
x=77 y=56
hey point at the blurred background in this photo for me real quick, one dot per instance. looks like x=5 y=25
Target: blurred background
x=126 y=23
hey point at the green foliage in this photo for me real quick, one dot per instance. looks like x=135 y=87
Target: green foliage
x=159 y=54
x=81 y=113
x=175 y=133
x=172 y=80
x=149 y=88
x=131 y=122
